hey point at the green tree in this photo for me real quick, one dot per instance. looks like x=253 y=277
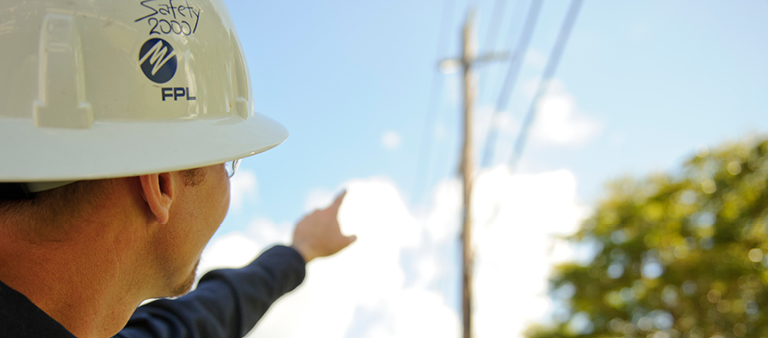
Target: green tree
x=683 y=255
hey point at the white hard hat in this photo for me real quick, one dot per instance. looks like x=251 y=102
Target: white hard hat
x=100 y=89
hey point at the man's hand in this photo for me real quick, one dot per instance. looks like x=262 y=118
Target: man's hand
x=318 y=234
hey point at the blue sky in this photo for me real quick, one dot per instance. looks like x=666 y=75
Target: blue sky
x=640 y=86
x=659 y=78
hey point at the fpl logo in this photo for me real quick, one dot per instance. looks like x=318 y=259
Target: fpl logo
x=158 y=60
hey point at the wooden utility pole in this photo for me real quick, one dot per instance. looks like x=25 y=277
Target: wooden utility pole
x=467 y=62
x=467 y=173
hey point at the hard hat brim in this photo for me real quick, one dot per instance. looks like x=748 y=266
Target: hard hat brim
x=145 y=147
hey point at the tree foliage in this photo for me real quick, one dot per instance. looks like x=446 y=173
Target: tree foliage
x=682 y=255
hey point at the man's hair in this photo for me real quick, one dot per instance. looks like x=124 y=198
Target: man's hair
x=45 y=215
x=193 y=177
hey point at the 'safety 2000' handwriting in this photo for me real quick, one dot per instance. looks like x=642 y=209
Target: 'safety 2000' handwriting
x=167 y=18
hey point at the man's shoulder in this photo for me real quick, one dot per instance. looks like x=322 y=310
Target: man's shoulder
x=20 y=318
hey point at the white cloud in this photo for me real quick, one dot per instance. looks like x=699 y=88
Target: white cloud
x=518 y=218
x=265 y=232
x=234 y=249
x=442 y=223
x=558 y=121
x=242 y=185
x=390 y=140
x=400 y=279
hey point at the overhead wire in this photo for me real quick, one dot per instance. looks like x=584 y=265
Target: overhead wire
x=489 y=44
x=507 y=88
x=549 y=72
x=491 y=38
x=497 y=14
x=433 y=103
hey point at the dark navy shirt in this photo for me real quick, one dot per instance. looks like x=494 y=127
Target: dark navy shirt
x=226 y=303
x=20 y=318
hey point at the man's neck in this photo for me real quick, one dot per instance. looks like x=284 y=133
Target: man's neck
x=90 y=286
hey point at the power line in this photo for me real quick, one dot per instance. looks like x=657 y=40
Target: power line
x=497 y=15
x=433 y=103
x=511 y=78
x=549 y=72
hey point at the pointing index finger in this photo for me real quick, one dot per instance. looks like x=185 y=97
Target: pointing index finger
x=337 y=203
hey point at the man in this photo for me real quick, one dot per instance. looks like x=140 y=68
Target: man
x=121 y=244
x=116 y=119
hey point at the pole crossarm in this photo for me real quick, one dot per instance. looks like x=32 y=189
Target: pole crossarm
x=452 y=65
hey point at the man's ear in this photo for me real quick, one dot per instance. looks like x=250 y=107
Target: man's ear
x=157 y=191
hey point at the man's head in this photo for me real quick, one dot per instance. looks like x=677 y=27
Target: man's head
x=170 y=215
